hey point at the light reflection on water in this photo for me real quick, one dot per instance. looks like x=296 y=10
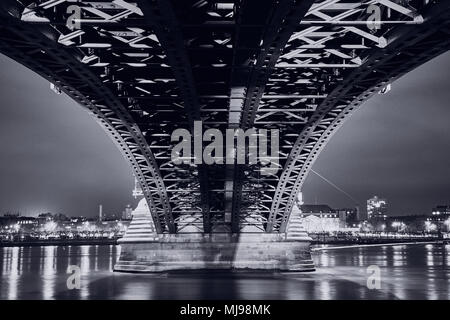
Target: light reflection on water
x=407 y=272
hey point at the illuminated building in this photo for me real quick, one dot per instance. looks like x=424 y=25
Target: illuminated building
x=319 y=218
x=440 y=217
x=20 y=222
x=319 y=210
x=376 y=208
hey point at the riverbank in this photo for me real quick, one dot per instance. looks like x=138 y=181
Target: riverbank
x=326 y=247
x=77 y=242
x=361 y=241
x=315 y=244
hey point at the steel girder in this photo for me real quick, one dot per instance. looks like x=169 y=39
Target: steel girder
x=403 y=51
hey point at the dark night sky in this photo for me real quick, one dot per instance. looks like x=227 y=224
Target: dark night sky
x=54 y=157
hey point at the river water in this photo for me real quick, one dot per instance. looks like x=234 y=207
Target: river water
x=419 y=271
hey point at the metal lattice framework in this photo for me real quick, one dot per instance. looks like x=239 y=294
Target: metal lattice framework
x=144 y=68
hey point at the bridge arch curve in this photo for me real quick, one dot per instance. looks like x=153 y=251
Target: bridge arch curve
x=85 y=88
x=412 y=49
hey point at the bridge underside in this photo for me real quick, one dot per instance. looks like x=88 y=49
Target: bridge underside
x=145 y=68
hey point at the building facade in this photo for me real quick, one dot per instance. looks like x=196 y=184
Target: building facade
x=377 y=208
x=350 y=216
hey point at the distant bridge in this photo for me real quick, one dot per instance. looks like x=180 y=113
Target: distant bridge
x=145 y=68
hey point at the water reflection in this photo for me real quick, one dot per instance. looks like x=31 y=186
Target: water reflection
x=48 y=271
x=398 y=256
x=14 y=274
x=407 y=272
x=85 y=270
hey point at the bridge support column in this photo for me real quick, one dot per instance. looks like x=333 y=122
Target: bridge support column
x=197 y=251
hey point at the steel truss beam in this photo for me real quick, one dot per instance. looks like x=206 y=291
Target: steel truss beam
x=160 y=15
x=53 y=63
x=283 y=21
x=406 y=50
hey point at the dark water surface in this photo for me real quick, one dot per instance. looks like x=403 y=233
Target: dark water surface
x=407 y=272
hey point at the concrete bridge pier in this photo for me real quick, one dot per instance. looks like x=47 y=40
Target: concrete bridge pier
x=182 y=252
x=142 y=250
